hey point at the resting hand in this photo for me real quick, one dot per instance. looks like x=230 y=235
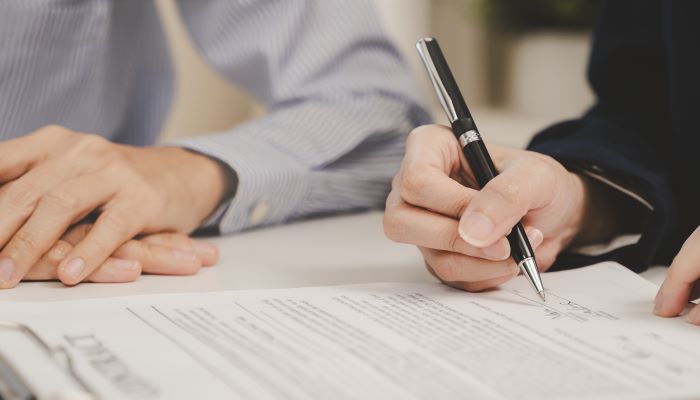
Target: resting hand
x=161 y=253
x=682 y=278
x=54 y=177
x=461 y=231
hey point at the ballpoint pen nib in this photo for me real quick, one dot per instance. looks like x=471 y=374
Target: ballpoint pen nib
x=529 y=268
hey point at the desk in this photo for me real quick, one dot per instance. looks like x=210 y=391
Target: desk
x=331 y=251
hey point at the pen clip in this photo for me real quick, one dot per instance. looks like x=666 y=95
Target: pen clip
x=444 y=83
x=436 y=80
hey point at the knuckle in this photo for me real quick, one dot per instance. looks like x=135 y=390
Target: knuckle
x=22 y=196
x=58 y=252
x=101 y=246
x=92 y=144
x=115 y=223
x=52 y=130
x=25 y=242
x=412 y=183
x=415 y=133
x=430 y=129
x=506 y=190
x=60 y=200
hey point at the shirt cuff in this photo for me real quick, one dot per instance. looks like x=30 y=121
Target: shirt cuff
x=270 y=182
x=628 y=239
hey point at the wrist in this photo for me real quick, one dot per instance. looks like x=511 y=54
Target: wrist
x=578 y=216
x=193 y=184
x=607 y=213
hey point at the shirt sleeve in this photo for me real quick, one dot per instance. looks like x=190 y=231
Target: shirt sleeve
x=619 y=139
x=339 y=101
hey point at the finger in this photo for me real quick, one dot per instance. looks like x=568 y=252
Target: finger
x=471 y=273
x=474 y=274
x=432 y=155
x=474 y=286
x=684 y=271
x=694 y=315
x=162 y=259
x=207 y=252
x=113 y=270
x=499 y=205
x=120 y=222
x=407 y=224
x=116 y=270
x=17 y=156
x=19 y=198
x=158 y=259
x=45 y=268
x=55 y=212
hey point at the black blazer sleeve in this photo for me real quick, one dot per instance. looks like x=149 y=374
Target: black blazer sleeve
x=621 y=136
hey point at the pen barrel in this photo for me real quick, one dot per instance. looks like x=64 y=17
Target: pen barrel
x=484 y=170
x=479 y=162
x=519 y=245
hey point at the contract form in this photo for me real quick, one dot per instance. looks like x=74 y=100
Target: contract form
x=594 y=337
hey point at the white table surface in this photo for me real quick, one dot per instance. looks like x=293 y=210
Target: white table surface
x=331 y=251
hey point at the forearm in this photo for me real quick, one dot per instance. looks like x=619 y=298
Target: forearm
x=315 y=157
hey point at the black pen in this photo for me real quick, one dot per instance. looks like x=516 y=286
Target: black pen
x=473 y=147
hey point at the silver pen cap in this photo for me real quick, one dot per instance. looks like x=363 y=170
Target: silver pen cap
x=443 y=96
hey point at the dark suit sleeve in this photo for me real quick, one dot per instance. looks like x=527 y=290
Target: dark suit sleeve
x=621 y=137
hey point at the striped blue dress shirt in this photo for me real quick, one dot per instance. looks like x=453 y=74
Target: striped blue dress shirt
x=339 y=98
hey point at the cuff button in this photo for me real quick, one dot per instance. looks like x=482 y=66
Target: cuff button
x=259 y=212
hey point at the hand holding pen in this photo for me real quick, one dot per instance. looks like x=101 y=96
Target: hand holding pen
x=435 y=204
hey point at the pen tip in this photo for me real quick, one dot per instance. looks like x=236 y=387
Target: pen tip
x=542 y=295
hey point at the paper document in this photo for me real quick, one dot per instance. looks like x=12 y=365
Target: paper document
x=595 y=337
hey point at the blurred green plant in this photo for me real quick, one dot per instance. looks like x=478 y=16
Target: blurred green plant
x=531 y=15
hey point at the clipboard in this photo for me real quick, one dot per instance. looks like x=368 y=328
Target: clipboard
x=15 y=386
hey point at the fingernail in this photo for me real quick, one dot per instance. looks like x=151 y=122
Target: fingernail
x=204 y=249
x=124 y=265
x=497 y=252
x=74 y=268
x=7 y=269
x=658 y=303
x=694 y=316
x=476 y=228
x=536 y=237
x=184 y=256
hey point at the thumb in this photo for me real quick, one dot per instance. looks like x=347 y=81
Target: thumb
x=499 y=205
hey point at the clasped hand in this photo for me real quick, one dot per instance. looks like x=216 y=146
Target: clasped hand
x=54 y=179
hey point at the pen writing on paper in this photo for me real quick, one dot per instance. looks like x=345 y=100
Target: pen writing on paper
x=560 y=307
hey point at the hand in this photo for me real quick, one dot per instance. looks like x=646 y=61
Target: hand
x=162 y=253
x=461 y=231
x=682 y=282
x=54 y=178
